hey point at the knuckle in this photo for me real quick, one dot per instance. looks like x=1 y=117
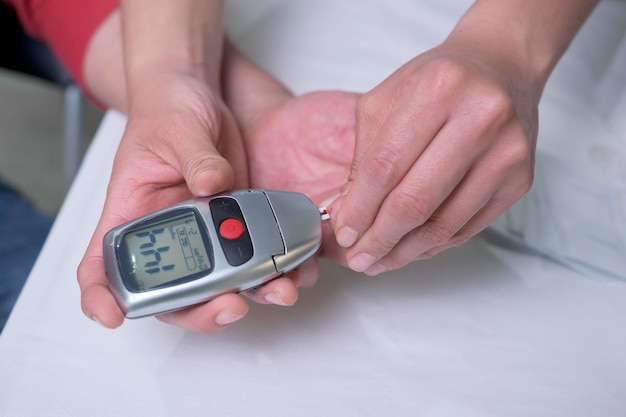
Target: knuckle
x=448 y=73
x=367 y=106
x=436 y=233
x=80 y=273
x=519 y=151
x=494 y=107
x=84 y=270
x=427 y=255
x=448 y=70
x=410 y=206
x=381 y=244
x=399 y=259
x=526 y=181
x=517 y=158
x=381 y=168
x=459 y=240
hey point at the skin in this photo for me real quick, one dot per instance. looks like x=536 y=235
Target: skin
x=311 y=137
x=148 y=170
x=432 y=155
x=446 y=143
x=181 y=140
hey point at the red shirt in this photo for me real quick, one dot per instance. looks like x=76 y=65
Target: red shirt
x=65 y=25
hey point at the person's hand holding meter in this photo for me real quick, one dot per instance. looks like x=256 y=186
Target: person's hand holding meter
x=180 y=141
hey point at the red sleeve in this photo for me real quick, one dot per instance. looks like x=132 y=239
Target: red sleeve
x=65 y=25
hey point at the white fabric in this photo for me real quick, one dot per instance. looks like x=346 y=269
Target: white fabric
x=576 y=210
x=477 y=331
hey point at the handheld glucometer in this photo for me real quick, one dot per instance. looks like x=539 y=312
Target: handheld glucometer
x=194 y=251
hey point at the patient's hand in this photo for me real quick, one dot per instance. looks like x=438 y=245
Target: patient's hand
x=302 y=144
x=305 y=145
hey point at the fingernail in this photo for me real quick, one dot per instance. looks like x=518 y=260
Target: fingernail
x=361 y=262
x=347 y=236
x=375 y=269
x=226 y=316
x=274 y=298
x=94 y=318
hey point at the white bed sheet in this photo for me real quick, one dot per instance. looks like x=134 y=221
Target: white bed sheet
x=477 y=331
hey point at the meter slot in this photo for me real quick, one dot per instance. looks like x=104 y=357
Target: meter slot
x=298 y=221
x=282 y=237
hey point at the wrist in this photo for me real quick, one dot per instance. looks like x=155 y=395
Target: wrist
x=183 y=37
x=526 y=37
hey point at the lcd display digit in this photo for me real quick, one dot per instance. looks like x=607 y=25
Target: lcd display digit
x=166 y=251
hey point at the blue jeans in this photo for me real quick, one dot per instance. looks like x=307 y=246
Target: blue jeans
x=23 y=231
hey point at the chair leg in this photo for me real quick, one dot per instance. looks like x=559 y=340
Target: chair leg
x=73 y=132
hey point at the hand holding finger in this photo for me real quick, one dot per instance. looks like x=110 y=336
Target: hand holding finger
x=450 y=155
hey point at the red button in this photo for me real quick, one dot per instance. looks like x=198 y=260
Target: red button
x=231 y=229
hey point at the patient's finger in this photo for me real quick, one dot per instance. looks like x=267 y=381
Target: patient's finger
x=211 y=317
x=282 y=291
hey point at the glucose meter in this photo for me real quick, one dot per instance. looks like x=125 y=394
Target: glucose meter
x=194 y=251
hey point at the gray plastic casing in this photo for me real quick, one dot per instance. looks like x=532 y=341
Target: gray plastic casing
x=285 y=229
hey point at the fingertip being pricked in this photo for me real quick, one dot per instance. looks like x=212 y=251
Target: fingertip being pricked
x=345 y=235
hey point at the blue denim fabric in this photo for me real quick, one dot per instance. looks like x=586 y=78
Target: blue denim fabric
x=23 y=231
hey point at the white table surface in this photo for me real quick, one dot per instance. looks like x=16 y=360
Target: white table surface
x=476 y=331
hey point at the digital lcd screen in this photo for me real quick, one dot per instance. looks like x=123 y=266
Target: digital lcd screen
x=166 y=251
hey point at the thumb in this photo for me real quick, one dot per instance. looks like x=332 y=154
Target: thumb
x=198 y=160
x=205 y=171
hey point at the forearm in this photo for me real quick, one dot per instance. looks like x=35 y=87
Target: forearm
x=248 y=90
x=184 y=37
x=65 y=25
x=142 y=46
x=529 y=35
